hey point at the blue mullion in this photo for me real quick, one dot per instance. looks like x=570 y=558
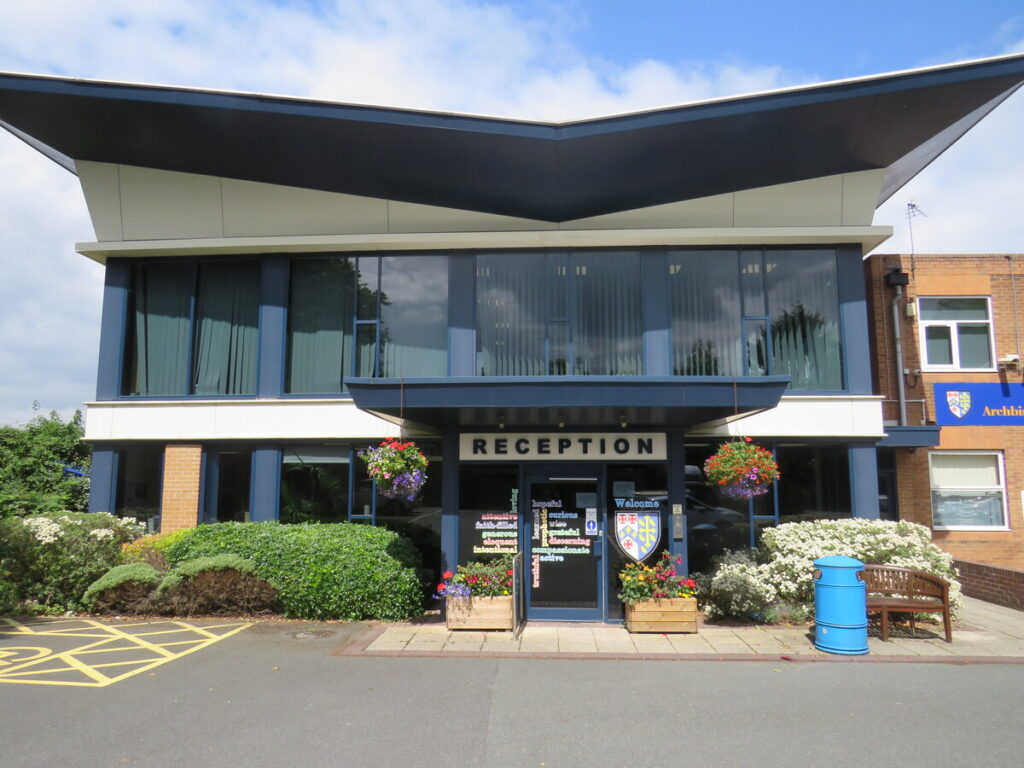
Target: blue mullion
x=192 y=335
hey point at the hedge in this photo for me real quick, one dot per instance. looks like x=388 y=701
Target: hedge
x=321 y=570
x=122 y=588
x=216 y=584
x=8 y=597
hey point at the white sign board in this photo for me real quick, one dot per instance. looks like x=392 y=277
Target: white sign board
x=562 y=446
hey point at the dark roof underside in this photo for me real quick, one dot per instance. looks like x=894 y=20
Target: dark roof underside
x=534 y=170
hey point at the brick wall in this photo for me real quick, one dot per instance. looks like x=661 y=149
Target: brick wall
x=952 y=275
x=179 y=506
x=1002 y=586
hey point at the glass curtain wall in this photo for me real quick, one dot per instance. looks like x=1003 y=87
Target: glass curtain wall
x=366 y=316
x=159 y=329
x=803 y=304
x=227 y=329
x=704 y=293
x=193 y=329
x=320 y=324
x=577 y=314
x=755 y=313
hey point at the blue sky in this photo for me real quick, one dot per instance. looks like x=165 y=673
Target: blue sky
x=531 y=59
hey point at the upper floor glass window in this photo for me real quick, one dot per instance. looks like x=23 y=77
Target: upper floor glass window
x=559 y=314
x=366 y=316
x=192 y=328
x=956 y=333
x=754 y=313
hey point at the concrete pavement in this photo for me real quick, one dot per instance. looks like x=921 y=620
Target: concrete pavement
x=984 y=632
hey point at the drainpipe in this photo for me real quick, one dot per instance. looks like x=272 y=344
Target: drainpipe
x=897 y=279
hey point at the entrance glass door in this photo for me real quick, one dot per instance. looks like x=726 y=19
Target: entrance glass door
x=564 y=547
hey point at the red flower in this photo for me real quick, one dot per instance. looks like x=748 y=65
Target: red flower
x=749 y=439
x=448 y=574
x=508 y=572
x=441 y=587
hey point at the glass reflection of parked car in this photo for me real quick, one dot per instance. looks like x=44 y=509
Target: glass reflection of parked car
x=702 y=516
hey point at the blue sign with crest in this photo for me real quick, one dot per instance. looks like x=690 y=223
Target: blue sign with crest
x=979 y=405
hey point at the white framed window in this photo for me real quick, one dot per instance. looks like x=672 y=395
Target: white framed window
x=956 y=333
x=968 y=490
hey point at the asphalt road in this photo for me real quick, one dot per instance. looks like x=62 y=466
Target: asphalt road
x=266 y=698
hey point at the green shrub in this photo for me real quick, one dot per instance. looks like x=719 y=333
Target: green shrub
x=321 y=570
x=52 y=559
x=8 y=597
x=124 y=589
x=216 y=584
x=151 y=550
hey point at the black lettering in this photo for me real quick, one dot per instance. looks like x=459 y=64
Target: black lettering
x=479 y=446
x=621 y=445
x=604 y=448
x=644 y=445
x=522 y=446
x=585 y=444
x=501 y=445
x=564 y=443
x=544 y=445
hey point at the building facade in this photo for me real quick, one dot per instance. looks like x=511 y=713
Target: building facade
x=958 y=367
x=568 y=319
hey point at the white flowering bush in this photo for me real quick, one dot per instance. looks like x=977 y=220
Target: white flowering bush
x=741 y=591
x=790 y=550
x=52 y=559
x=747 y=589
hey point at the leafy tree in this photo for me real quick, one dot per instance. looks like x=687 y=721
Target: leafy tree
x=33 y=458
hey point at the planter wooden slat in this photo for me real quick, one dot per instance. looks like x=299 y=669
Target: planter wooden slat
x=663 y=615
x=479 y=612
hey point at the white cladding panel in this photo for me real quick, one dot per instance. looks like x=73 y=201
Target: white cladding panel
x=232 y=420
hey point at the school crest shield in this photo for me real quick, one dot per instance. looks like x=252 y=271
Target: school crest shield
x=959 y=402
x=638 y=533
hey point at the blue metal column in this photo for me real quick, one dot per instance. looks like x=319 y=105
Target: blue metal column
x=449 y=501
x=113 y=320
x=676 y=466
x=265 y=487
x=864 y=480
x=853 y=321
x=273 y=325
x=103 y=480
x=657 y=316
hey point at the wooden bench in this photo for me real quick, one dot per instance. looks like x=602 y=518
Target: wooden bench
x=891 y=589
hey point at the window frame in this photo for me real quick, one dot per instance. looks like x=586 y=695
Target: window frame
x=953 y=325
x=1000 y=468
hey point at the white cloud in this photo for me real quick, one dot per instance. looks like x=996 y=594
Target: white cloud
x=454 y=55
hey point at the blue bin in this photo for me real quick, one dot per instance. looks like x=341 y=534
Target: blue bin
x=840 y=606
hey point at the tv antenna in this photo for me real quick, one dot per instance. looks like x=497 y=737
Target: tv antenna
x=912 y=211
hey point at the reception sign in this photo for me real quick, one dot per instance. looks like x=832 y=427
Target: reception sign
x=563 y=446
x=979 y=405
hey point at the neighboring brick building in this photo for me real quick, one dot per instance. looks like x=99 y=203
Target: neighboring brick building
x=962 y=336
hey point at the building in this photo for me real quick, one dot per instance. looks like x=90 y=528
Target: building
x=568 y=318
x=958 y=367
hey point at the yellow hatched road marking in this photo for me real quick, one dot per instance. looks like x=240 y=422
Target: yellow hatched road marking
x=23 y=670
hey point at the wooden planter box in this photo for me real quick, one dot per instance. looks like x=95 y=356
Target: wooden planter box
x=677 y=614
x=479 y=612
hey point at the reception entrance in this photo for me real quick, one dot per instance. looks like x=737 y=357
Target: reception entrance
x=564 y=515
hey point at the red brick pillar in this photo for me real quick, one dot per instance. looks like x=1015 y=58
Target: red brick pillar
x=179 y=506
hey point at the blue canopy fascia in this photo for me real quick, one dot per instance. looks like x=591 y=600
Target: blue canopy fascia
x=575 y=401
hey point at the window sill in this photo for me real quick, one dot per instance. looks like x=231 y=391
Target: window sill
x=989 y=528
x=932 y=369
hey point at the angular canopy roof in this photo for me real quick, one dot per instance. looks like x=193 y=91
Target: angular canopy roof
x=554 y=172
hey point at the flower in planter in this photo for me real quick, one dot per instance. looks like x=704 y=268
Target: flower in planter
x=476 y=579
x=741 y=469
x=649 y=582
x=399 y=468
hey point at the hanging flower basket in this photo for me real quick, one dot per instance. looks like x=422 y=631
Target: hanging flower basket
x=741 y=470
x=400 y=469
